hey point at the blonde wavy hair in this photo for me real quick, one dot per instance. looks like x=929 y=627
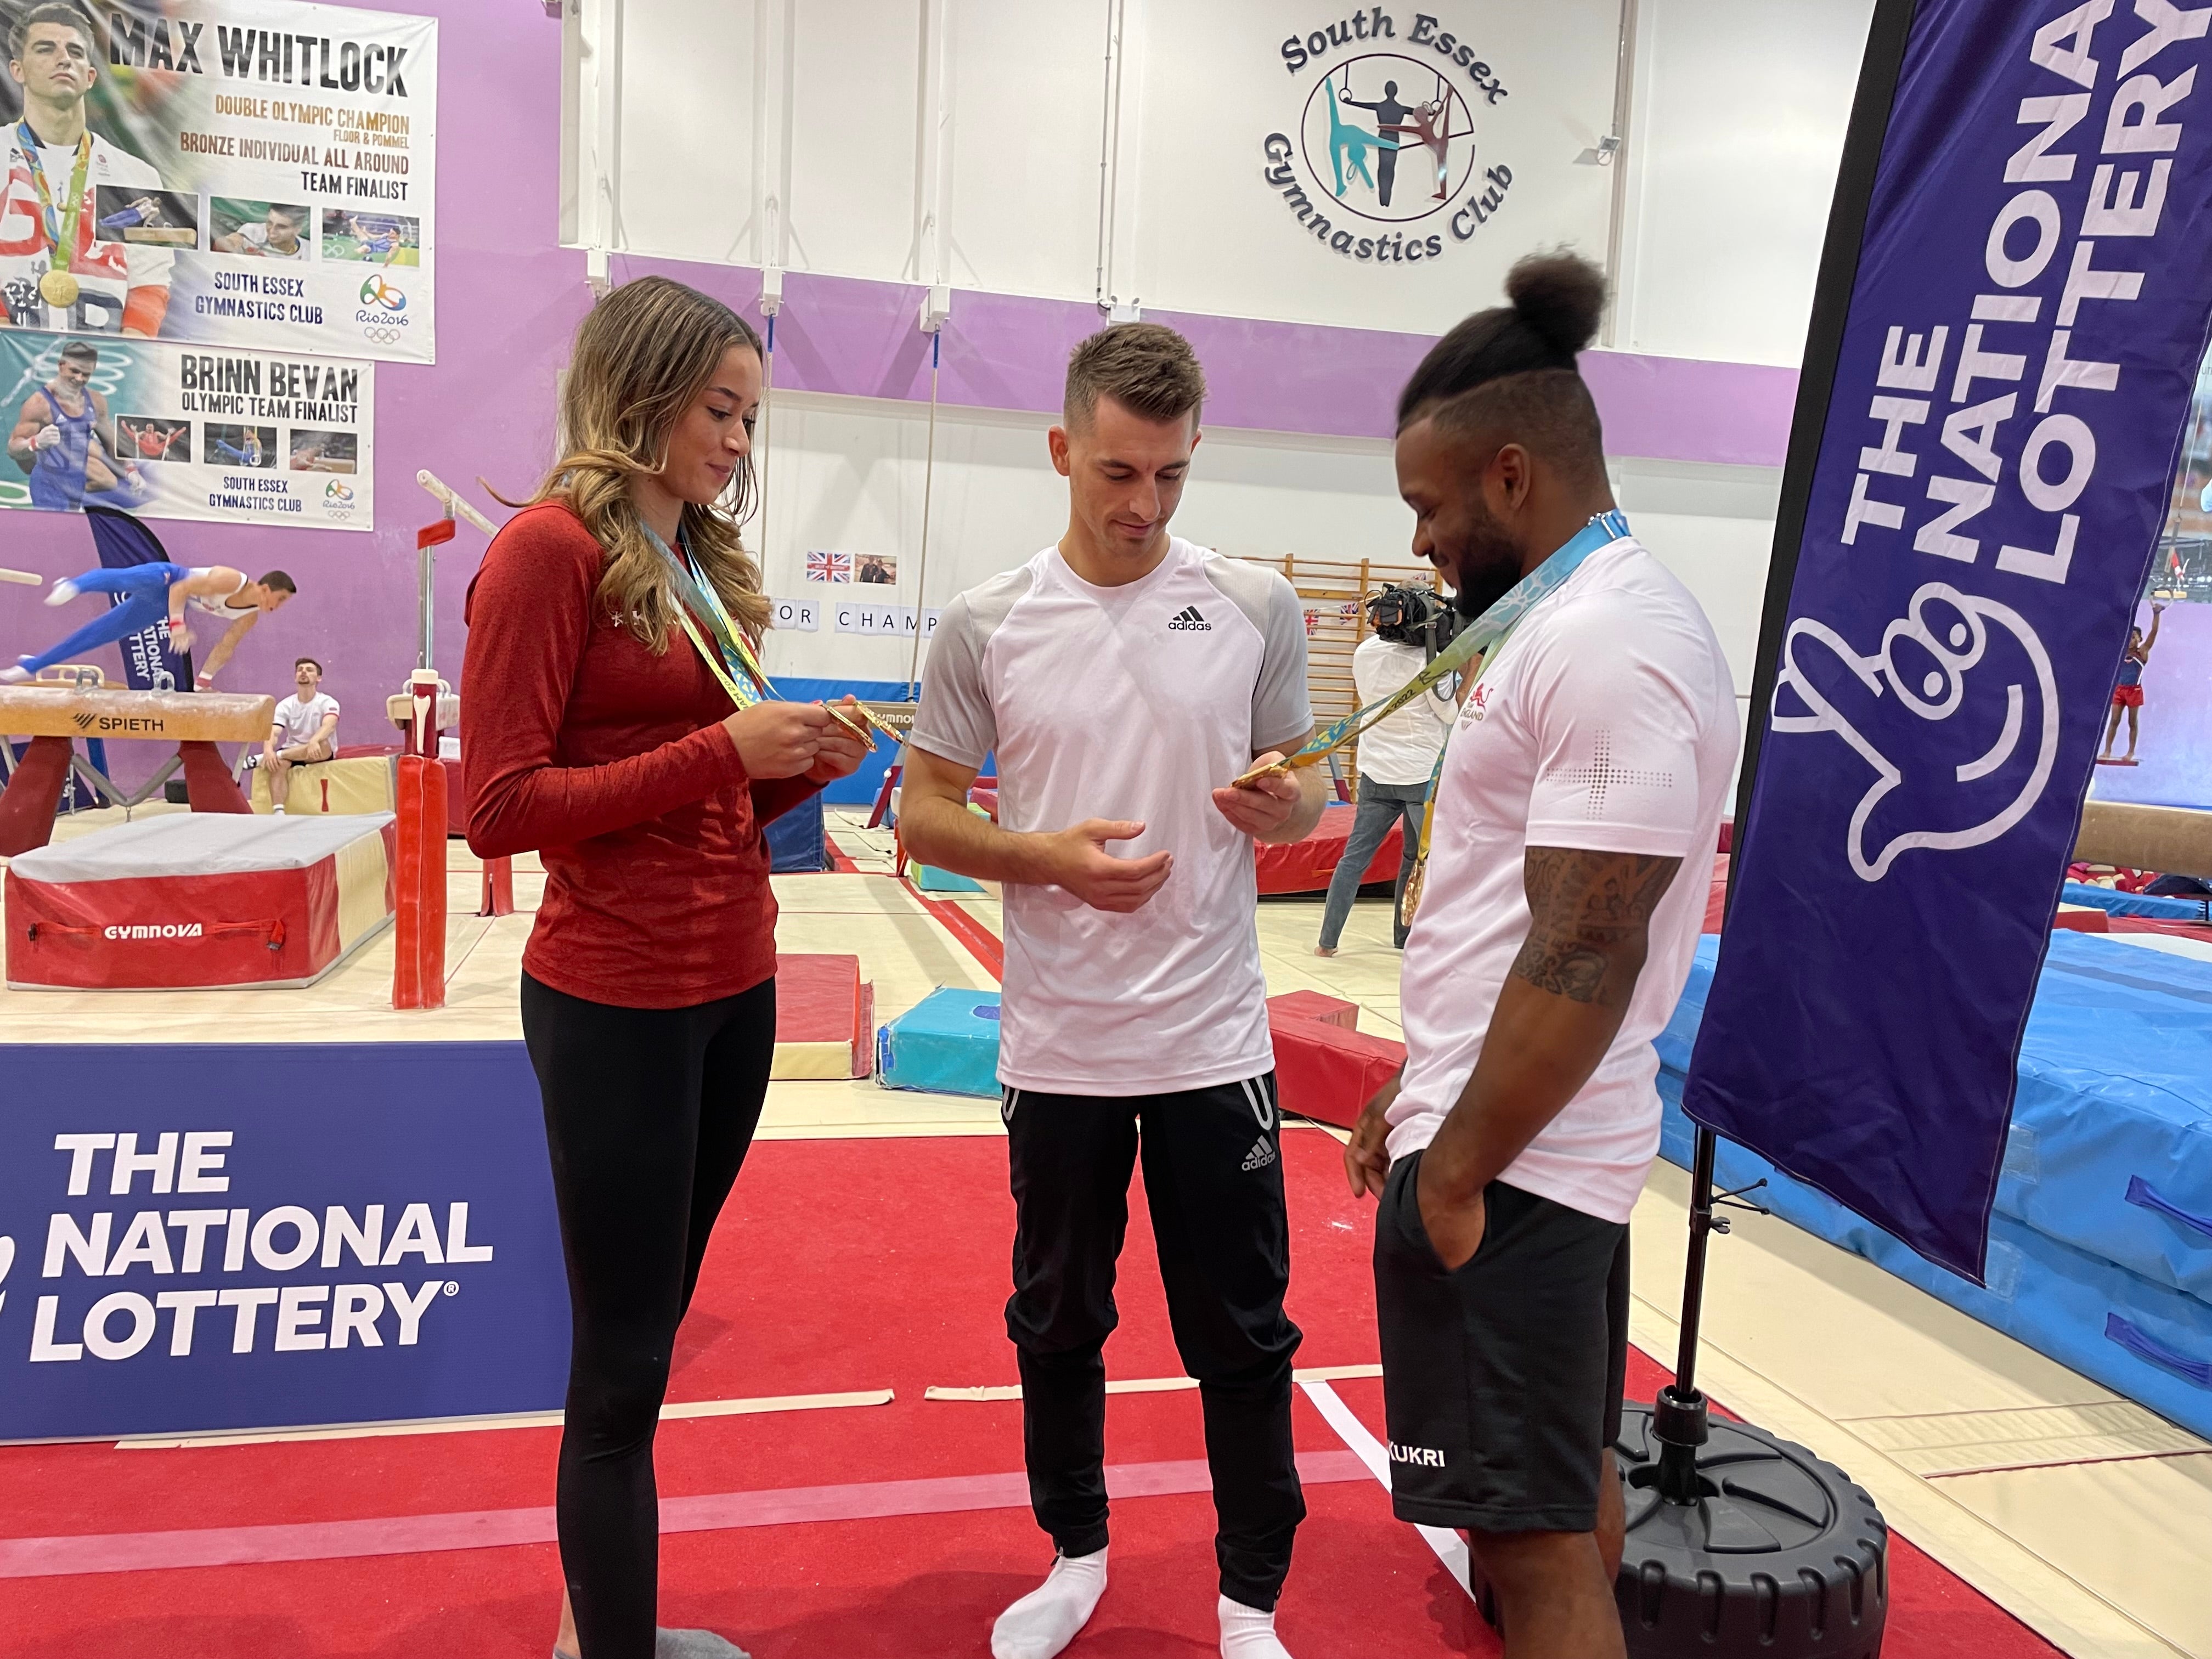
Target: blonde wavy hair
x=642 y=359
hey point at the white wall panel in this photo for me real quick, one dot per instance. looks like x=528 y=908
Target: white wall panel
x=1737 y=125
x=685 y=136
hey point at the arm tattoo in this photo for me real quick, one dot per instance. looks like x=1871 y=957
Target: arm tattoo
x=1588 y=914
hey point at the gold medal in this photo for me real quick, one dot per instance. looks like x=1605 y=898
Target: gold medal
x=59 y=289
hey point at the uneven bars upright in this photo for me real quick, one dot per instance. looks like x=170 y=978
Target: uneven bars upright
x=455 y=504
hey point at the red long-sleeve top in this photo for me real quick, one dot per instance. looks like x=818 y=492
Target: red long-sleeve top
x=612 y=764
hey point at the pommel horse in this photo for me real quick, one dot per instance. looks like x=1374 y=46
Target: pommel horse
x=73 y=701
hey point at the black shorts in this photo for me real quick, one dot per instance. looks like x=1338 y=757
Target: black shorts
x=1501 y=1381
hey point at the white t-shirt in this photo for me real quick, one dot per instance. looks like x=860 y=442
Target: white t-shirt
x=302 y=720
x=1608 y=724
x=1135 y=702
x=105 y=270
x=1403 y=748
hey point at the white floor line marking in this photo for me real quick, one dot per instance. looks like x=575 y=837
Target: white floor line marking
x=673 y=1411
x=1450 y=1548
x=1143 y=1384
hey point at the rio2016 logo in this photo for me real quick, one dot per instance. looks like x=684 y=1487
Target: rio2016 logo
x=336 y=493
x=1387 y=139
x=375 y=291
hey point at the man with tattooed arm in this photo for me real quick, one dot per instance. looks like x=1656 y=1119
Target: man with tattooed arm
x=1589 y=762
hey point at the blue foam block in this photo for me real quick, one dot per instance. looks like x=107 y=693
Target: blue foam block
x=931 y=879
x=945 y=1044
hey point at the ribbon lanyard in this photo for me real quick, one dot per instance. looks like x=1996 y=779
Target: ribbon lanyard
x=1602 y=531
x=733 y=663
x=1482 y=636
x=61 y=232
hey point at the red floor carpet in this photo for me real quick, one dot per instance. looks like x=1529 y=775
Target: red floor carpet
x=840 y=1266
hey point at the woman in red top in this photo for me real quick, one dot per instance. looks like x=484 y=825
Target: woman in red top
x=597 y=731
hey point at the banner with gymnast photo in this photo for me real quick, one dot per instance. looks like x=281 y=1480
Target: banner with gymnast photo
x=169 y=432
x=2012 y=310
x=253 y=173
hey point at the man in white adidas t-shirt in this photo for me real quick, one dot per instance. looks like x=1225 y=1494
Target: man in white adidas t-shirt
x=1589 y=761
x=1122 y=676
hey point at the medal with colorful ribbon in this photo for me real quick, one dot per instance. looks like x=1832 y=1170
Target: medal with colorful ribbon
x=731 y=659
x=57 y=286
x=1602 y=531
x=1480 y=638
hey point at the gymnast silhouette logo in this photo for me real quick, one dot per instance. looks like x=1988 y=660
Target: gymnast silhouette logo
x=375 y=291
x=1969 y=668
x=1366 y=113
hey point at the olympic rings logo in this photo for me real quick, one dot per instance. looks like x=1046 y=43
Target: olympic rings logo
x=382 y=336
x=375 y=291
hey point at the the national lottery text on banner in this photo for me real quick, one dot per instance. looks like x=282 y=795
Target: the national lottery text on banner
x=253 y=173
x=170 y=431
x=2008 y=342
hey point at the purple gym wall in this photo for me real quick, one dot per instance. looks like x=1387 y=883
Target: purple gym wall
x=509 y=298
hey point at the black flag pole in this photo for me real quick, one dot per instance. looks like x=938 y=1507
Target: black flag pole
x=1679 y=1418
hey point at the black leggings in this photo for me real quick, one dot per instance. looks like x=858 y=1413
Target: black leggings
x=648 y=1113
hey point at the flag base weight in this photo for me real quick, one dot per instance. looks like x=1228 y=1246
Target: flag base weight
x=1776 y=1554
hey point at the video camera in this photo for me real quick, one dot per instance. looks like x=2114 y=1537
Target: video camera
x=1408 y=615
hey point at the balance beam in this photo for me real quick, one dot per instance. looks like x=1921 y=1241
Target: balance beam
x=53 y=715
x=2173 y=840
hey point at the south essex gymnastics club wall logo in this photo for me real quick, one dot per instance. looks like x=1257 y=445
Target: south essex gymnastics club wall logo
x=1385 y=166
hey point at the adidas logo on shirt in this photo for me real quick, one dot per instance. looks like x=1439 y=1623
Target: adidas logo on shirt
x=1188 y=620
x=1260 y=1156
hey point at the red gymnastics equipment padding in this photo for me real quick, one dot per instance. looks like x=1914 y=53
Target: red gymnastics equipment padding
x=208 y=783
x=1314 y=1005
x=1323 y=1071
x=418 y=970
x=825 y=1015
x=190 y=901
x=498 y=897
x=27 y=804
x=1304 y=867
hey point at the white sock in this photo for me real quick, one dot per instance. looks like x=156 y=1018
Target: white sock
x=62 y=593
x=1249 y=1633
x=1046 y=1620
x=278 y=810
x=13 y=674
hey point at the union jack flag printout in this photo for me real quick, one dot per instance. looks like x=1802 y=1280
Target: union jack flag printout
x=829 y=566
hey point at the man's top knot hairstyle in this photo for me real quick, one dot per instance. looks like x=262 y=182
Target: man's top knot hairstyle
x=1149 y=370
x=1556 y=299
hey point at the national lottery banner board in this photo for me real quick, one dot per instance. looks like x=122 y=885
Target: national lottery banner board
x=252 y=173
x=177 y=1260
x=179 y=432
x=2011 y=313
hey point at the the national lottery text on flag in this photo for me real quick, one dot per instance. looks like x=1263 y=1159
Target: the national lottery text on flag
x=829 y=566
x=252 y=173
x=2011 y=317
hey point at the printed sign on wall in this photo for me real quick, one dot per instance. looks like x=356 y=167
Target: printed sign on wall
x=171 y=432
x=244 y=172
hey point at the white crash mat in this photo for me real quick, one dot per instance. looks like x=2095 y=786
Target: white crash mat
x=203 y=899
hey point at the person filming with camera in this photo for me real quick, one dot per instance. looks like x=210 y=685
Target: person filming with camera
x=1397 y=755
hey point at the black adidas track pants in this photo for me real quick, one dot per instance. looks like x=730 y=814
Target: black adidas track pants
x=1213 y=1179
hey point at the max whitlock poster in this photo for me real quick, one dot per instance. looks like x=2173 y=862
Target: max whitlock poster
x=181 y=432
x=250 y=174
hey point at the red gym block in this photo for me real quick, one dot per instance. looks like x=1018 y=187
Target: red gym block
x=824 y=1018
x=1314 y=1005
x=1326 y=1073
x=2085 y=918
